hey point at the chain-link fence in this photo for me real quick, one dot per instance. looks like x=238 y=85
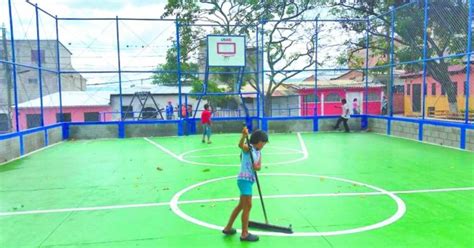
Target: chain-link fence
x=412 y=60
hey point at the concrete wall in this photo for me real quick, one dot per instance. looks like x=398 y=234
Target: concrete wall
x=378 y=125
x=149 y=130
x=55 y=135
x=328 y=124
x=93 y=131
x=470 y=140
x=9 y=149
x=33 y=142
x=405 y=129
x=434 y=134
x=447 y=136
x=234 y=126
x=283 y=126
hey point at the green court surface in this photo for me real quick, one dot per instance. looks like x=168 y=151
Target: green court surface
x=336 y=189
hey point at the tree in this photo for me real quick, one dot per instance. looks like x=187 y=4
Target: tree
x=447 y=33
x=168 y=76
x=282 y=36
x=187 y=46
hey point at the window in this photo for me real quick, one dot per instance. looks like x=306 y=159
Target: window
x=465 y=87
x=408 y=89
x=310 y=99
x=443 y=90
x=3 y=122
x=433 y=89
x=33 y=81
x=373 y=97
x=91 y=116
x=34 y=56
x=127 y=112
x=398 y=89
x=66 y=117
x=33 y=120
x=248 y=100
x=333 y=97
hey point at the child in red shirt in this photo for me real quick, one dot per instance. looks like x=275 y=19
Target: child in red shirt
x=206 y=123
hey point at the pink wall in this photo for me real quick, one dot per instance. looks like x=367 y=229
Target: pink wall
x=374 y=107
x=77 y=114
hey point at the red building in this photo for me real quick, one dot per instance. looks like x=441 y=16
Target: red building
x=330 y=92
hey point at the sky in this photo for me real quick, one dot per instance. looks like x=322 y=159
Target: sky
x=93 y=44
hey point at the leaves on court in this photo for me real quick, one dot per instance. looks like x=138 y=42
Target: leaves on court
x=206 y=170
x=158 y=168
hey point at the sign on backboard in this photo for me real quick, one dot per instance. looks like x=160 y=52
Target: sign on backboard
x=226 y=50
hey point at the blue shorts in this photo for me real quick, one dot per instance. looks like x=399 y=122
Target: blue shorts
x=245 y=187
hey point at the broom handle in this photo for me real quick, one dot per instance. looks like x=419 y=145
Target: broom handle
x=256 y=179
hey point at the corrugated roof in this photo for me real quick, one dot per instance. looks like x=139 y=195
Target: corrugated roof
x=451 y=69
x=70 y=99
x=155 y=90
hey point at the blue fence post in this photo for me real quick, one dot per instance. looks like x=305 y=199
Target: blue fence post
x=58 y=71
x=262 y=70
x=265 y=124
x=257 y=73
x=121 y=126
x=178 y=65
x=462 y=138
x=40 y=74
x=389 y=126
x=425 y=55
x=468 y=65
x=364 y=121
x=315 y=109
x=15 y=83
x=392 y=60
x=65 y=130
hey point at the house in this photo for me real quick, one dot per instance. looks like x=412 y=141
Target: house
x=160 y=95
x=285 y=100
x=27 y=78
x=378 y=76
x=436 y=100
x=330 y=92
x=77 y=106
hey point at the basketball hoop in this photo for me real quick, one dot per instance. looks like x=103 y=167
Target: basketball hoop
x=226 y=50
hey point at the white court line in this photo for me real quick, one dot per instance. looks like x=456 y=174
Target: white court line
x=62 y=210
x=163 y=149
x=237 y=154
x=31 y=153
x=181 y=158
x=303 y=146
x=49 y=211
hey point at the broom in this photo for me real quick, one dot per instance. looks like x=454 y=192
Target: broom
x=266 y=225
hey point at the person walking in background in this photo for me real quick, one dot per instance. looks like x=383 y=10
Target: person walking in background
x=355 y=107
x=345 y=115
x=384 y=105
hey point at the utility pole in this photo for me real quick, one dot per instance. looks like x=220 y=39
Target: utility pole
x=8 y=78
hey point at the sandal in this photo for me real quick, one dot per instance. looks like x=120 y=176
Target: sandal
x=250 y=237
x=232 y=231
